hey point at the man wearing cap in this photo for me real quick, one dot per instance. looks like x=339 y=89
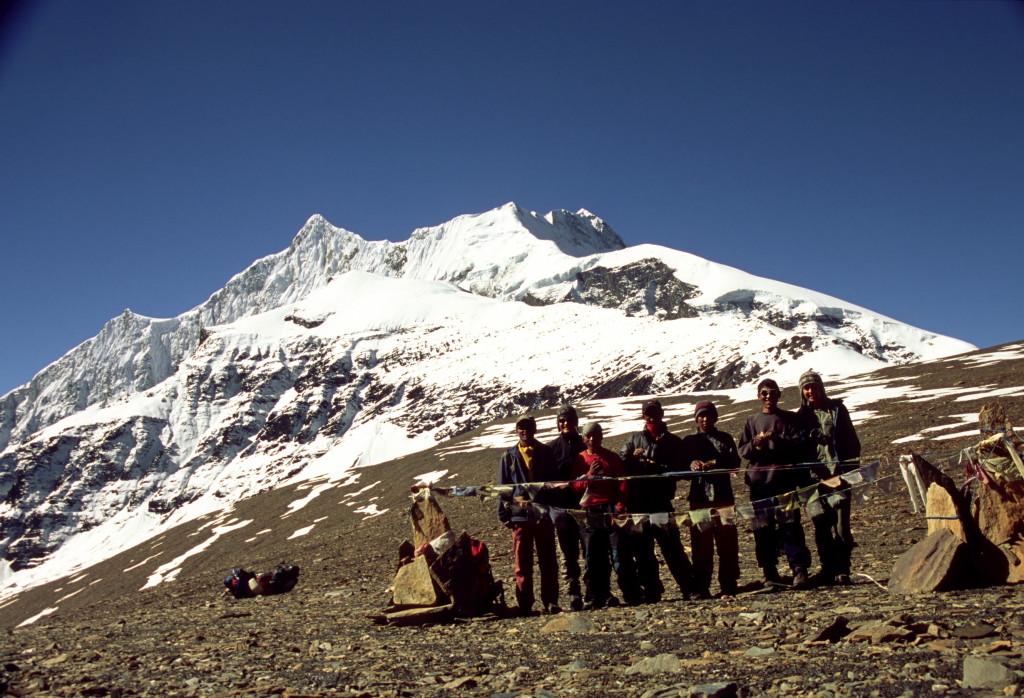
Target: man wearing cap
x=604 y=543
x=656 y=451
x=832 y=442
x=772 y=446
x=530 y=461
x=565 y=447
x=713 y=454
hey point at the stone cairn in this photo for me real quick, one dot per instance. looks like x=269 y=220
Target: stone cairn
x=439 y=577
x=975 y=532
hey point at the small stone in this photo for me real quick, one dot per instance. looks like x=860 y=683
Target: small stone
x=715 y=690
x=987 y=672
x=463 y=682
x=656 y=665
x=759 y=652
x=973 y=632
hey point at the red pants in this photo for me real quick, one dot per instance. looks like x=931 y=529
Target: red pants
x=524 y=535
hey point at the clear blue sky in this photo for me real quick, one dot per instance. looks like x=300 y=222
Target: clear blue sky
x=867 y=149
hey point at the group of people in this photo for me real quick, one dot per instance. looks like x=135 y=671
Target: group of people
x=784 y=451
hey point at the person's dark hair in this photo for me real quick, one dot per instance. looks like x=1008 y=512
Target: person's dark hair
x=767 y=383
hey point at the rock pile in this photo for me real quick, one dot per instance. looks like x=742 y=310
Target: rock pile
x=440 y=575
x=975 y=533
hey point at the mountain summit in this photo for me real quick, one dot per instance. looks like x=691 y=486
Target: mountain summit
x=338 y=353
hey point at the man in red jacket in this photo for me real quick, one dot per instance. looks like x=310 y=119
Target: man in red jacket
x=603 y=543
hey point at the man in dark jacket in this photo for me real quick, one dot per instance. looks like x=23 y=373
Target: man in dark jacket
x=832 y=442
x=656 y=451
x=566 y=447
x=713 y=454
x=530 y=461
x=772 y=445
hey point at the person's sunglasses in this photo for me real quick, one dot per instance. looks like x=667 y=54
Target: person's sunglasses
x=769 y=393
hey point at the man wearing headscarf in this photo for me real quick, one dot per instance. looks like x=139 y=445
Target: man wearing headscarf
x=832 y=442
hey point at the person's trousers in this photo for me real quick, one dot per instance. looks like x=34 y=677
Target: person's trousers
x=832 y=535
x=525 y=536
x=606 y=548
x=570 y=543
x=667 y=537
x=703 y=543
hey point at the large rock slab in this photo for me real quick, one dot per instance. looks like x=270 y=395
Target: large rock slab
x=998 y=508
x=414 y=585
x=942 y=511
x=987 y=672
x=428 y=521
x=937 y=563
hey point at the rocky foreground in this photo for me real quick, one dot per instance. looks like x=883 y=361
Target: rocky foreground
x=187 y=639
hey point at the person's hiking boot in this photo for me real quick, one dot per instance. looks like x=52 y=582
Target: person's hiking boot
x=612 y=602
x=824 y=579
x=800 y=580
x=843 y=579
x=729 y=591
x=771 y=577
x=592 y=605
x=699 y=595
x=551 y=609
x=575 y=603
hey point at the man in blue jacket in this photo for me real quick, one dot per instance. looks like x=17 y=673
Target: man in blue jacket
x=566 y=446
x=530 y=461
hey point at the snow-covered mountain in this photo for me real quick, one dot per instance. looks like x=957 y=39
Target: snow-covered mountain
x=338 y=353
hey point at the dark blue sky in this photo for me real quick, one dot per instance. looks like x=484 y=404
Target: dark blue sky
x=149 y=151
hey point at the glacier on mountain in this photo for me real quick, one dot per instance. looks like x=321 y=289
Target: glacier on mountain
x=339 y=353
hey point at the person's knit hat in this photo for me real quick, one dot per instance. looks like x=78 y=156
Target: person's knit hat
x=810 y=376
x=528 y=423
x=653 y=406
x=705 y=406
x=591 y=428
x=569 y=412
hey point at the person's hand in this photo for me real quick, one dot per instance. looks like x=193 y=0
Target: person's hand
x=698 y=465
x=597 y=468
x=638 y=453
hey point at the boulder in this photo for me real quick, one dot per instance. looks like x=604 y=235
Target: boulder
x=987 y=672
x=662 y=663
x=428 y=521
x=414 y=585
x=937 y=563
x=421 y=616
x=998 y=509
x=942 y=512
